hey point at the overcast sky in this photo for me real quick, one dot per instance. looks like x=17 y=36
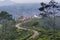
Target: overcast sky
x=28 y=1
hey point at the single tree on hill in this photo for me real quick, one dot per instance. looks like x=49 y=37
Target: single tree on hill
x=49 y=11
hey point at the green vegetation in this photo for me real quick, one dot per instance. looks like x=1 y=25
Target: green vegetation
x=36 y=24
x=8 y=31
x=7 y=26
x=50 y=36
x=47 y=27
x=46 y=31
x=24 y=35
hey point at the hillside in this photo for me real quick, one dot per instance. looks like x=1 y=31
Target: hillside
x=41 y=23
x=46 y=32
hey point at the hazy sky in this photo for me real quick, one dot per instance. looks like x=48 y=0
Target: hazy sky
x=28 y=1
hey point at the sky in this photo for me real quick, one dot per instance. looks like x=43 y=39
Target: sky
x=27 y=1
x=10 y=2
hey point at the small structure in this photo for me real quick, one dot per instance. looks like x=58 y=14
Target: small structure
x=36 y=16
x=27 y=19
x=21 y=18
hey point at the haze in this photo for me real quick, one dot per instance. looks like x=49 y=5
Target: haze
x=10 y=2
x=27 y=1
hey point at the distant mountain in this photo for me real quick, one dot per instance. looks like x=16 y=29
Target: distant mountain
x=21 y=9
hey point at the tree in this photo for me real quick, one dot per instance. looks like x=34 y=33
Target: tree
x=49 y=11
x=8 y=29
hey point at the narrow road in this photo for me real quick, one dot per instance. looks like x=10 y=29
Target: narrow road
x=36 y=33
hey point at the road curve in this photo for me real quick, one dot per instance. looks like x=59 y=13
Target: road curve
x=36 y=33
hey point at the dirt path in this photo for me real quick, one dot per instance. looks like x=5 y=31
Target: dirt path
x=36 y=33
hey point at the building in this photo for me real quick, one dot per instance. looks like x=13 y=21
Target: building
x=21 y=18
x=36 y=16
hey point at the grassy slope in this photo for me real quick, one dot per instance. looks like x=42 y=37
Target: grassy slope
x=44 y=28
x=23 y=34
x=36 y=24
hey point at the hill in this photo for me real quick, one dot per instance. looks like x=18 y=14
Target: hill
x=42 y=24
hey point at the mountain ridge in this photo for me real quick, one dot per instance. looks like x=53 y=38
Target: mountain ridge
x=21 y=9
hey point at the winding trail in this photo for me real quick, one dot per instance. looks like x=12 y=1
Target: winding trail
x=36 y=33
